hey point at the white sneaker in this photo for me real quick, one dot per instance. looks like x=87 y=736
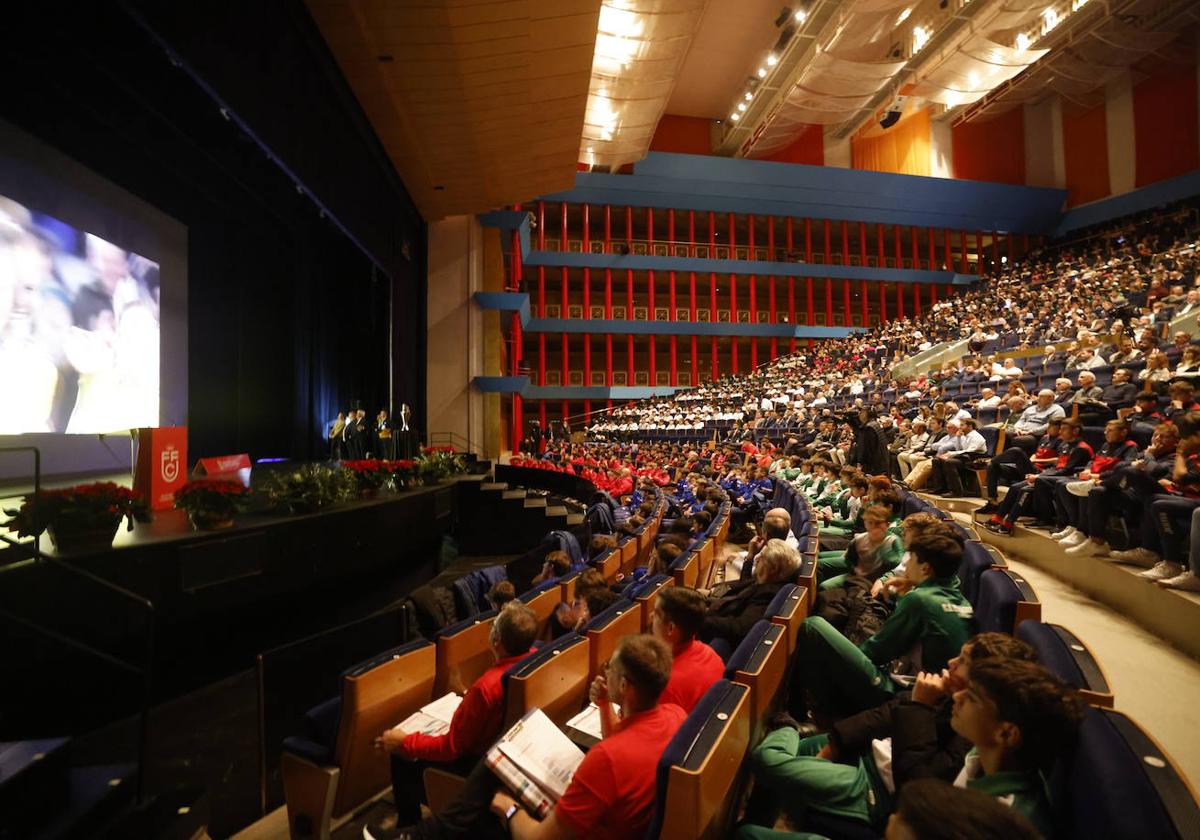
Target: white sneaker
x=1162 y=570
x=1064 y=533
x=1078 y=538
x=1136 y=556
x=1185 y=581
x=1087 y=548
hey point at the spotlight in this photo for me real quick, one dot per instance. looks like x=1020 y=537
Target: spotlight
x=800 y=16
x=749 y=96
x=762 y=72
x=772 y=60
x=735 y=116
x=741 y=106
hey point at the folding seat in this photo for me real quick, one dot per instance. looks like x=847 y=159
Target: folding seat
x=976 y=560
x=698 y=775
x=760 y=663
x=566 y=587
x=542 y=599
x=553 y=679
x=1062 y=652
x=627 y=550
x=1005 y=600
x=1119 y=784
x=1103 y=375
x=623 y=618
x=985 y=416
x=645 y=593
x=1054 y=368
x=463 y=652
x=806 y=578
x=707 y=554
x=1094 y=436
x=334 y=767
x=609 y=563
x=686 y=569
x=788 y=609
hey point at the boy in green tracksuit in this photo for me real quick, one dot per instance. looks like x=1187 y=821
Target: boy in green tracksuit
x=871 y=553
x=834 y=561
x=845 y=517
x=1019 y=719
x=929 y=625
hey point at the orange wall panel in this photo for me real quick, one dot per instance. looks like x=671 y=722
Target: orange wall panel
x=1166 y=127
x=903 y=148
x=991 y=150
x=685 y=135
x=1085 y=146
x=808 y=147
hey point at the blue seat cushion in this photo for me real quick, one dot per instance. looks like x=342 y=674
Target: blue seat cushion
x=609 y=615
x=383 y=658
x=543 y=654
x=780 y=599
x=740 y=659
x=459 y=626
x=976 y=560
x=996 y=609
x=526 y=597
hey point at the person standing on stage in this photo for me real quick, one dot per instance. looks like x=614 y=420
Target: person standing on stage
x=335 y=437
x=383 y=436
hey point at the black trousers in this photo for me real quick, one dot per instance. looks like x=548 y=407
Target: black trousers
x=948 y=473
x=1010 y=466
x=469 y=815
x=408 y=783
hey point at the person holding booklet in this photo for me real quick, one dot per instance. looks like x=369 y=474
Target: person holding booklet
x=611 y=794
x=474 y=727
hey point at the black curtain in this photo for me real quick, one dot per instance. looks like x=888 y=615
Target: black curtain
x=288 y=312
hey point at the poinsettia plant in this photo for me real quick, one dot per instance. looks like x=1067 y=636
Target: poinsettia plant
x=404 y=471
x=371 y=473
x=84 y=507
x=212 y=498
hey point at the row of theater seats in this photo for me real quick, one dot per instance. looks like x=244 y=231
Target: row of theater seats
x=1118 y=783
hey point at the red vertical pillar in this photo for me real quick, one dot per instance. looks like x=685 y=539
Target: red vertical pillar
x=791 y=288
x=771 y=284
x=916 y=248
x=753 y=293
x=733 y=315
x=712 y=293
x=587 y=307
x=995 y=252
x=650 y=297
x=932 y=250
x=671 y=295
x=692 y=296
x=608 y=301
x=541 y=309
x=808 y=281
x=629 y=294
x=517 y=342
x=562 y=244
x=896 y=255
x=846 y=316
x=962 y=252
x=828 y=280
x=863 y=290
x=880 y=263
x=949 y=257
x=932 y=294
x=916 y=300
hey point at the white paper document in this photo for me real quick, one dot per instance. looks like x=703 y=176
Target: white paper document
x=432 y=718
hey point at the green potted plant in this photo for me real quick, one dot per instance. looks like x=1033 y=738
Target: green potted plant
x=310 y=487
x=80 y=518
x=211 y=503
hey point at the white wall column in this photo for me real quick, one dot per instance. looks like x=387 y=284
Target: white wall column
x=1118 y=128
x=1045 y=159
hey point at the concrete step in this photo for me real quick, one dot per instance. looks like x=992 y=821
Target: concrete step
x=535 y=502
x=575 y=518
x=493 y=485
x=512 y=494
x=556 y=510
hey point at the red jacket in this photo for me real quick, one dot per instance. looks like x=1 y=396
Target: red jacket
x=476 y=723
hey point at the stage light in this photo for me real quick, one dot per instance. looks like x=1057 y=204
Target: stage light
x=741 y=106
x=762 y=72
x=749 y=96
x=904 y=16
x=801 y=16
x=735 y=116
x=920 y=38
x=772 y=60
x=1022 y=41
x=1050 y=19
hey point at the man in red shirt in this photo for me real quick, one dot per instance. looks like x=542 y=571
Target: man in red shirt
x=473 y=729
x=612 y=792
x=678 y=614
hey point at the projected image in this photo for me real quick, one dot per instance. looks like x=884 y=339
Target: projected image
x=79 y=323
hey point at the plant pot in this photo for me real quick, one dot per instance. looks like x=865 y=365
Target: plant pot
x=302 y=507
x=368 y=493
x=210 y=522
x=72 y=539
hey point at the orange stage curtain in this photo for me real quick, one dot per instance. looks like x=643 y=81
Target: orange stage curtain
x=991 y=150
x=808 y=147
x=1166 y=135
x=1085 y=144
x=903 y=148
x=685 y=135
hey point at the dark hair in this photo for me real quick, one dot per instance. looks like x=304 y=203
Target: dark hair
x=589 y=580
x=1046 y=710
x=775 y=527
x=939 y=550
x=936 y=810
x=516 y=627
x=683 y=606
x=559 y=560
x=888 y=497
x=1188 y=424
x=501 y=593
x=683 y=525
x=999 y=646
x=645 y=662
x=600 y=543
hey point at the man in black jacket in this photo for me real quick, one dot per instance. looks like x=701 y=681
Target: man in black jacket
x=856 y=769
x=1118 y=394
x=731 y=614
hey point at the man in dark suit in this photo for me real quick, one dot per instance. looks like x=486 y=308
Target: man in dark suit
x=356 y=435
x=732 y=613
x=383 y=436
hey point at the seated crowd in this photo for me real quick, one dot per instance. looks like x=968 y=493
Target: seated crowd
x=897 y=715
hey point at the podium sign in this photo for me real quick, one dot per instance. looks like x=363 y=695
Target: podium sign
x=161 y=465
x=223 y=466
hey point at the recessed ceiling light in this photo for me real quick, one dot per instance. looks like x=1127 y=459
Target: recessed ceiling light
x=735 y=116
x=762 y=72
x=749 y=96
x=772 y=60
x=801 y=15
x=741 y=106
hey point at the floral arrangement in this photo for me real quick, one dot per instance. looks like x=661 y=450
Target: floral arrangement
x=211 y=499
x=436 y=463
x=311 y=487
x=371 y=474
x=404 y=471
x=82 y=508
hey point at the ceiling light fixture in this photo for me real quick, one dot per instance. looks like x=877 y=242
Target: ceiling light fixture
x=749 y=96
x=1022 y=41
x=800 y=16
x=772 y=60
x=904 y=16
x=762 y=72
x=920 y=38
x=1049 y=20
x=741 y=106
x=735 y=116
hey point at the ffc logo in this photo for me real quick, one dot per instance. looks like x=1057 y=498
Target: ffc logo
x=170 y=464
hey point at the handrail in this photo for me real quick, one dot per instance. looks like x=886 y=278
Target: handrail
x=145 y=670
x=452 y=439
